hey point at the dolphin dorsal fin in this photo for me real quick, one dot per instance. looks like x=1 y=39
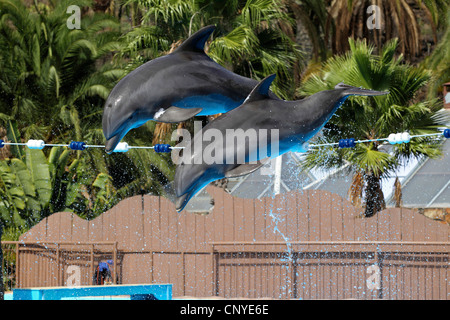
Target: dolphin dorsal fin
x=197 y=41
x=261 y=91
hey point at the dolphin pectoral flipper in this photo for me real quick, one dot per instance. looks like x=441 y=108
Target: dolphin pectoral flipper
x=175 y=114
x=246 y=168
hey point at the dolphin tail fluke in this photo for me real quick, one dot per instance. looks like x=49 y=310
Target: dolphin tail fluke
x=355 y=91
x=182 y=201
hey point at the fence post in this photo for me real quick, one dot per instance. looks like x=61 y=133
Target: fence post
x=58 y=265
x=294 y=275
x=18 y=275
x=184 y=272
x=379 y=261
x=92 y=263
x=2 y=289
x=114 y=275
x=213 y=272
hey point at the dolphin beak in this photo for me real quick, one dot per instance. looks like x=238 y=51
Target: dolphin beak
x=365 y=92
x=181 y=202
x=114 y=129
x=112 y=143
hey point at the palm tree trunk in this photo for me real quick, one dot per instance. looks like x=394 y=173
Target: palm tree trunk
x=356 y=189
x=397 y=193
x=374 y=197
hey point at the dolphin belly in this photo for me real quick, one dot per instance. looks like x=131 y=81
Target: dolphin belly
x=211 y=104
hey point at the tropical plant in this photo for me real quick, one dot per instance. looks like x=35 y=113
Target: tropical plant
x=400 y=19
x=374 y=118
x=33 y=188
x=53 y=85
x=439 y=62
x=253 y=38
x=312 y=19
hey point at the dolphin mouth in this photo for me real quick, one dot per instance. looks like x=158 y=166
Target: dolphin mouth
x=365 y=92
x=112 y=143
x=181 y=202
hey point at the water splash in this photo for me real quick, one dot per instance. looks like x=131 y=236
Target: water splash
x=277 y=218
x=288 y=258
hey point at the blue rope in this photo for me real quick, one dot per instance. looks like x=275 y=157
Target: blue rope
x=351 y=143
x=167 y=148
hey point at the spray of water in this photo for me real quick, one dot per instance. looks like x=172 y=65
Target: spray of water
x=288 y=258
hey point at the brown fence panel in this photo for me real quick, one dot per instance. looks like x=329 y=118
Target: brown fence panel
x=49 y=264
x=295 y=245
x=332 y=271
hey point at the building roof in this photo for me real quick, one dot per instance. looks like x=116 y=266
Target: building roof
x=261 y=183
x=428 y=185
x=425 y=183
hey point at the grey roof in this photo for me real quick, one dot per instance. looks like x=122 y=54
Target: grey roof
x=429 y=183
x=258 y=184
x=425 y=183
x=261 y=182
x=338 y=182
x=202 y=203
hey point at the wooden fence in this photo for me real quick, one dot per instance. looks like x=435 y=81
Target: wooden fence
x=308 y=245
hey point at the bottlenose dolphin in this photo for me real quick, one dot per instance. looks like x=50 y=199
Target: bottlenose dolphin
x=295 y=121
x=173 y=88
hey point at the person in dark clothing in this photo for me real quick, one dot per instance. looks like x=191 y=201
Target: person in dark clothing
x=102 y=274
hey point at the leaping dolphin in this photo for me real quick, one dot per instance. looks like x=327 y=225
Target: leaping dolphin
x=173 y=88
x=295 y=121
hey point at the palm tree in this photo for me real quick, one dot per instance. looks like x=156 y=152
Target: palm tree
x=399 y=19
x=374 y=118
x=312 y=17
x=53 y=84
x=253 y=38
x=439 y=62
x=50 y=78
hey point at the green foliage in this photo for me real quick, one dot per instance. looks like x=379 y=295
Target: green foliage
x=375 y=117
x=251 y=37
x=54 y=82
x=38 y=186
x=439 y=62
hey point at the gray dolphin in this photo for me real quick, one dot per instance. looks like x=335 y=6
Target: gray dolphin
x=173 y=88
x=296 y=122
